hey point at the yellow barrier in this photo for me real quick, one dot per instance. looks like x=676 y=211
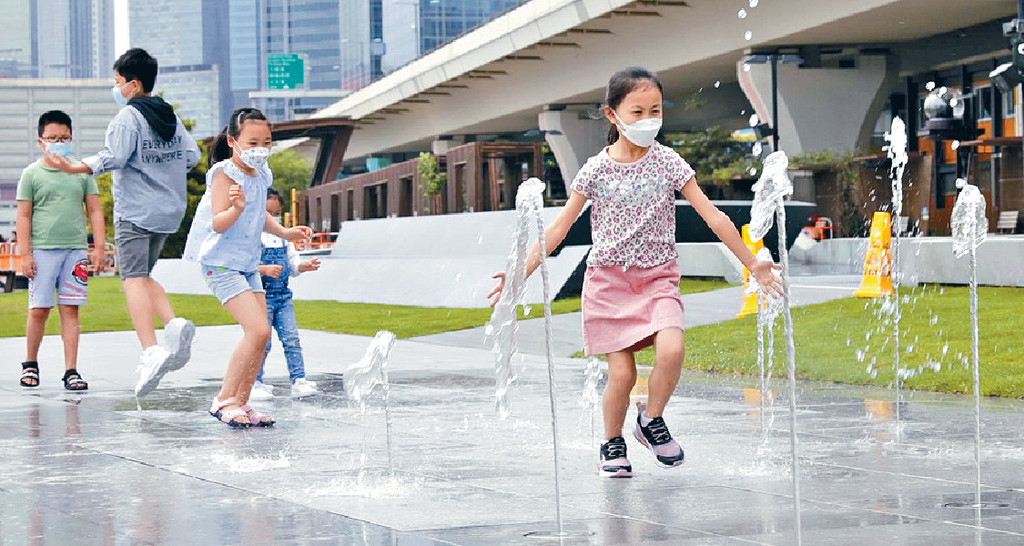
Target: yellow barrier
x=641 y=387
x=877 y=280
x=294 y=220
x=749 y=300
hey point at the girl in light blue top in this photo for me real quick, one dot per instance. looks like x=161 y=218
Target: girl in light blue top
x=225 y=240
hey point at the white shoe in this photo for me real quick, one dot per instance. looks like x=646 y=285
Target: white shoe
x=154 y=363
x=303 y=387
x=261 y=391
x=178 y=334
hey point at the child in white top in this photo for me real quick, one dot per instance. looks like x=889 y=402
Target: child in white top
x=278 y=263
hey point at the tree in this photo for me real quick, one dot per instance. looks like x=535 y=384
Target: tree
x=103 y=183
x=432 y=182
x=194 y=189
x=291 y=170
x=715 y=154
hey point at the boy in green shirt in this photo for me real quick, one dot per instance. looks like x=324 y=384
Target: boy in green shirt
x=51 y=233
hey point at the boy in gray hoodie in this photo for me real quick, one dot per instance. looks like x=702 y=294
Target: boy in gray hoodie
x=149 y=152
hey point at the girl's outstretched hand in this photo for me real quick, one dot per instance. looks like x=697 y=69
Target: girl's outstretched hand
x=764 y=272
x=495 y=295
x=299 y=233
x=309 y=265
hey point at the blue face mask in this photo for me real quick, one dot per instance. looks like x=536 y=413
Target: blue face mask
x=62 y=149
x=120 y=99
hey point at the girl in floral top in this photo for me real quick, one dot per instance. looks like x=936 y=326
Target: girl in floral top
x=631 y=287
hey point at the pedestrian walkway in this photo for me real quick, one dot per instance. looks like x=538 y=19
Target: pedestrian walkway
x=98 y=468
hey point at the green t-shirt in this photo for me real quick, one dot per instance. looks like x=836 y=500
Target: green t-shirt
x=58 y=206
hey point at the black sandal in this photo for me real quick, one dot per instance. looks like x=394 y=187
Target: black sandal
x=30 y=372
x=73 y=381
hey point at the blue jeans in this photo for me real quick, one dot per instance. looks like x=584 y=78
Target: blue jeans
x=281 y=316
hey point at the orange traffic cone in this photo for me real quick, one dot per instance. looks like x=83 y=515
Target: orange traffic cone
x=877 y=280
x=749 y=300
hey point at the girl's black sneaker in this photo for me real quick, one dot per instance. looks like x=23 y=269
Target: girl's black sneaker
x=614 y=463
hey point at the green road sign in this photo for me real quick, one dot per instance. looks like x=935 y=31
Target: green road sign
x=285 y=71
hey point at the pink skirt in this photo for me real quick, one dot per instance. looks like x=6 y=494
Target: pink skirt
x=622 y=310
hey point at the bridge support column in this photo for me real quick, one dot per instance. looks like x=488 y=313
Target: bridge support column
x=573 y=137
x=826 y=108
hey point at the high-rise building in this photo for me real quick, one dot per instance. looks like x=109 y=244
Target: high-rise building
x=56 y=39
x=414 y=27
x=340 y=42
x=362 y=42
x=246 y=59
x=346 y=44
x=22 y=101
x=103 y=52
x=326 y=34
x=189 y=39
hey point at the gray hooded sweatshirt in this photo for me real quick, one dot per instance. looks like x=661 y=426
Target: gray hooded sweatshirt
x=148 y=170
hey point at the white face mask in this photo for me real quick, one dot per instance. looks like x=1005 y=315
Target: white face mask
x=641 y=133
x=255 y=157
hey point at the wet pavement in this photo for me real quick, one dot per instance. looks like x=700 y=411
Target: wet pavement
x=700 y=308
x=96 y=469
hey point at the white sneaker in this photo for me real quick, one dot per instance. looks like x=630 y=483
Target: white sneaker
x=303 y=387
x=178 y=334
x=154 y=363
x=261 y=391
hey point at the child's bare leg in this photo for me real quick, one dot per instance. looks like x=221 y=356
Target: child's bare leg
x=140 y=309
x=69 y=330
x=35 y=327
x=145 y=298
x=250 y=310
x=668 y=364
x=621 y=378
x=245 y=387
x=161 y=303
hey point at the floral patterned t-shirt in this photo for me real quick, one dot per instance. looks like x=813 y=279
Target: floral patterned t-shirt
x=633 y=213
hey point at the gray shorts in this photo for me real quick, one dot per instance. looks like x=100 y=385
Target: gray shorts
x=137 y=249
x=61 y=272
x=227 y=283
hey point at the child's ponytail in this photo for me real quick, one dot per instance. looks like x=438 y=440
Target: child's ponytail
x=219 y=149
x=613 y=134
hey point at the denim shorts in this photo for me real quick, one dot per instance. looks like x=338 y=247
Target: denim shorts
x=227 y=283
x=137 y=249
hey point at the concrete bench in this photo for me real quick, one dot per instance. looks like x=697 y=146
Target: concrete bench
x=1007 y=221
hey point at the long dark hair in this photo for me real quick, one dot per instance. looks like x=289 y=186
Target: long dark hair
x=622 y=83
x=219 y=148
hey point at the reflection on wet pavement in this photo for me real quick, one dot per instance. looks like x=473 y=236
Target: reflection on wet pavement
x=95 y=467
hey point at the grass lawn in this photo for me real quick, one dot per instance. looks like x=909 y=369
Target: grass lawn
x=850 y=341
x=107 y=312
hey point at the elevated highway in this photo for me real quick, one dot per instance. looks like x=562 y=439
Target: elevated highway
x=543 y=64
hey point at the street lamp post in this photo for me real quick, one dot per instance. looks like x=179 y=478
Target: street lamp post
x=773 y=59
